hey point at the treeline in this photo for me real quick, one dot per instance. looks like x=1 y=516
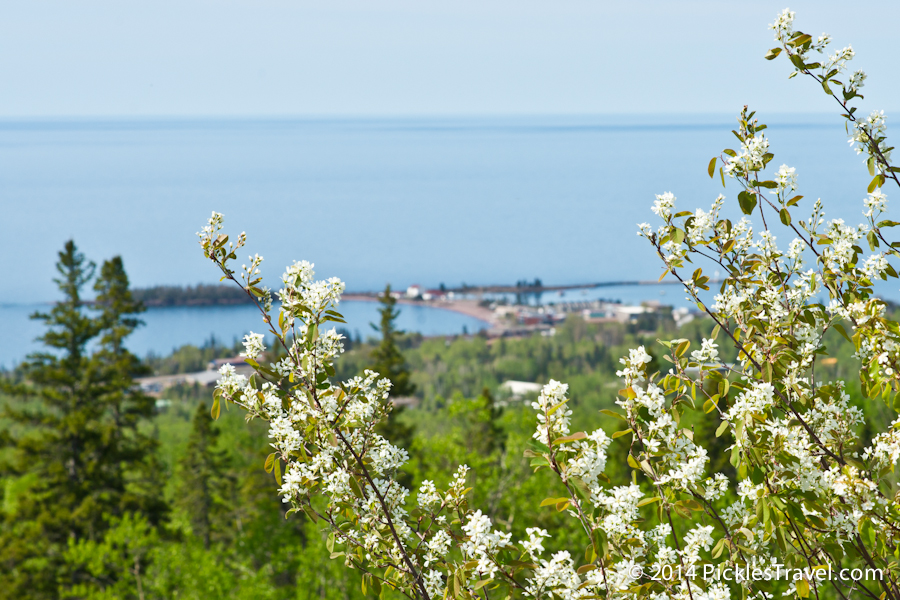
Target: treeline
x=201 y=294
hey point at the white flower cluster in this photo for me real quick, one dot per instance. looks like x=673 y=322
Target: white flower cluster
x=556 y=577
x=702 y=223
x=857 y=80
x=708 y=352
x=757 y=399
x=840 y=252
x=590 y=460
x=535 y=544
x=553 y=416
x=838 y=61
x=635 y=365
x=785 y=179
x=621 y=508
x=300 y=290
x=783 y=26
x=875 y=203
x=483 y=543
x=715 y=487
x=885 y=448
x=749 y=158
x=210 y=234
x=428 y=494
x=664 y=205
x=253 y=345
x=869 y=135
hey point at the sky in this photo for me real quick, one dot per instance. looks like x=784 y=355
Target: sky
x=262 y=58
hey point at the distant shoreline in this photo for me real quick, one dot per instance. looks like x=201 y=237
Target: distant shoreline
x=470 y=308
x=221 y=295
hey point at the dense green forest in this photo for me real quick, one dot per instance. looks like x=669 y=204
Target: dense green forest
x=197 y=295
x=109 y=493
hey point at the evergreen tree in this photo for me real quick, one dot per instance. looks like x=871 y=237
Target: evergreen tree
x=74 y=435
x=205 y=484
x=128 y=406
x=389 y=362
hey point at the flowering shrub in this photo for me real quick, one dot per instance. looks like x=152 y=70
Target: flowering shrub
x=808 y=498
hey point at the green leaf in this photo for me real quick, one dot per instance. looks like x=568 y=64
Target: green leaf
x=800 y=40
x=794 y=200
x=619 y=434
x=747 y=202
x=840 y=329
x=802 y=588
x=647 y=501
x=309 y=513
x=712 y=167
x=876 y=182
x=539 y=447
x=773 y=53
x=216 y=408
x=785 y=216
x=610 y=413
x=553 y=501
x=278 y=471
x=354 y=487
x=270 y=463
x=718 y=548
x=872 y=239
x=312 y=333
x=569 y=438
x=871 y=164
x=722 y=428
x=633 y=463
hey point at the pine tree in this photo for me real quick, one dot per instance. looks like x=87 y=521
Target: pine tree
x=205 y=483
x=74 y=435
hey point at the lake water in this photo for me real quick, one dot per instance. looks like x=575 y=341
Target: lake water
x=427 y=201
x=169 y=328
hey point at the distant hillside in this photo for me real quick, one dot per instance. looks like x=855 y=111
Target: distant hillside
x=198 y=295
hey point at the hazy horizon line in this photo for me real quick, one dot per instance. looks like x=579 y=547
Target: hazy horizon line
x=399 y=116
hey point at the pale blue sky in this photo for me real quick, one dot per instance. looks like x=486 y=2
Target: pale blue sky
x=418 y=57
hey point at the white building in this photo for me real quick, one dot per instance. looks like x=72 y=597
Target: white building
x=517 y=389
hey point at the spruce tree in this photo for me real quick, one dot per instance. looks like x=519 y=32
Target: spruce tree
x=74 y=432
x=206 y=486
x=127 y=405
x=389 y=362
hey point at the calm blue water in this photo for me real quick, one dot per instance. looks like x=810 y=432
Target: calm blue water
x=426 y=201
x=169 y=328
